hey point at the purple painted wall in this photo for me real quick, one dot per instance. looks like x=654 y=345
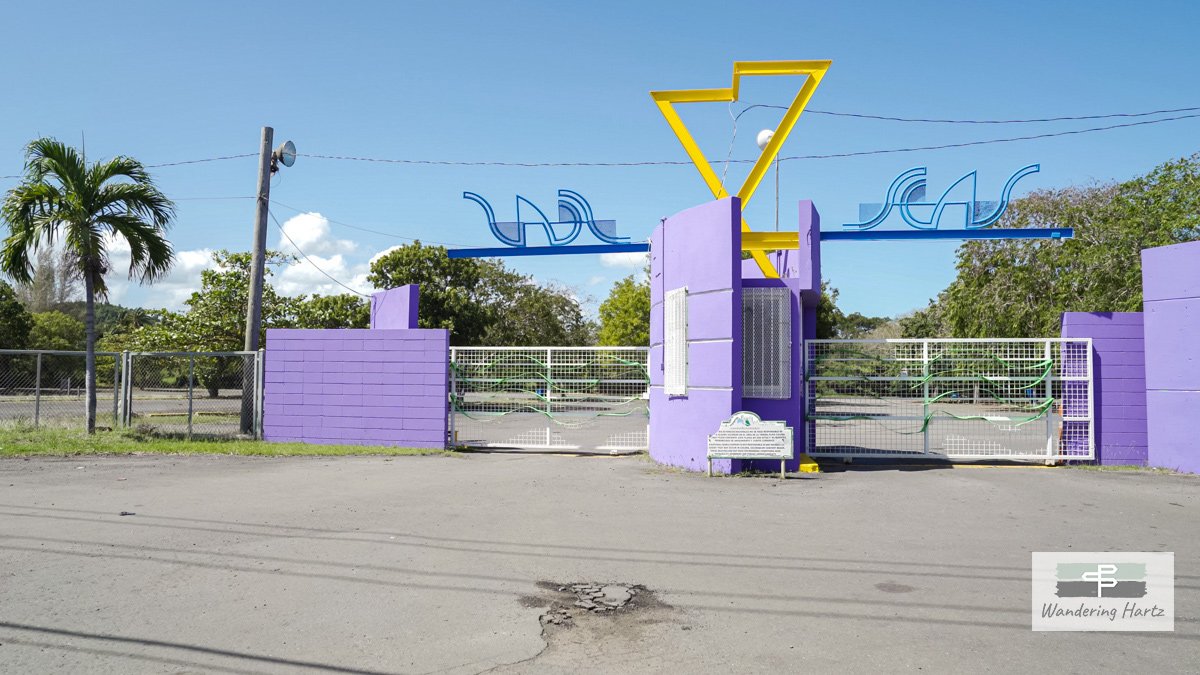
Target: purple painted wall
x=1171 y=304
x=395 y=307
x=1119 y=382
x=699 y=248
x=357 y=386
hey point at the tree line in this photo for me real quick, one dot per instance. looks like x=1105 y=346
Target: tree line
x=1020 y=288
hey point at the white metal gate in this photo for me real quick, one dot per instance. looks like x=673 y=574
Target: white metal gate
x=561 y=398
x=951 y=398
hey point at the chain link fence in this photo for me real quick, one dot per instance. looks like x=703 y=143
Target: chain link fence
x=47 y=388
x=175 y=393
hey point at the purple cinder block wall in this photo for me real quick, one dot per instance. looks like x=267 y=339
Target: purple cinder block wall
x=1118 y=382
x=699 y=248
x=395 y=307
x=357 y=386
x=1171 y=309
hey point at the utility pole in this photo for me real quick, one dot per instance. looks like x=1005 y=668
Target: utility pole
x=257 y=262
x=257 y=257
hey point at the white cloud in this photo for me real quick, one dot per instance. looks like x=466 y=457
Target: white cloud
x=309 y=232
x=169 y=291
x=382 y=253
x=596 y=280
x=304 y=278
x=624 y=259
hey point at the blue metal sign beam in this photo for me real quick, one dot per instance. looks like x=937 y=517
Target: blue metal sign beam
x=925 y=235
x=831 y=235
x=510 y=251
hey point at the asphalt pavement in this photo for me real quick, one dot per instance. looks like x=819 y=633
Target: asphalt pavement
x=465 y=564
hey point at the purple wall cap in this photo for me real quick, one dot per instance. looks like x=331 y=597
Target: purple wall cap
x=1171 y=272
x=808 y=258
x=395 y=307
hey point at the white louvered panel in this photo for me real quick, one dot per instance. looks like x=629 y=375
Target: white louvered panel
x=675 y=348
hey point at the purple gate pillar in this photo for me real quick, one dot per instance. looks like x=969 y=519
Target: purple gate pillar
x=800 y=274
x=1118 y=385
x=698 y=249
x=1171 y=303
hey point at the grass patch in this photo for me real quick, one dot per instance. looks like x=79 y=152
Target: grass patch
x=1125 y=468
x=24 y=442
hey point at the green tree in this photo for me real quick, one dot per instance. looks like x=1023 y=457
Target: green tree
x=482 y=302
x=54 y=282
x=57 y=331
x=927 y=322
x=828 y=314
x=333 y=311
x=62 y=197
x=451 y=292
x=1020 y=288
x=524 y=313
x=625 y=314
x=215 y=318
x=15 y=321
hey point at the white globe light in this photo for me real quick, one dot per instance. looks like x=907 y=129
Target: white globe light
x=763 y=138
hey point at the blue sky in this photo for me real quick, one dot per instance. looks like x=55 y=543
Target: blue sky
x=564 y=82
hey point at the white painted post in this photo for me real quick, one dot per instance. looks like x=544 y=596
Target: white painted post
x=453 y=435
x=1049 y=359
x=260 y=379
x=926 y=420
x=549 y=384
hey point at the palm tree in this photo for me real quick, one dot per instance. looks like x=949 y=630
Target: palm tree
x=63 y=198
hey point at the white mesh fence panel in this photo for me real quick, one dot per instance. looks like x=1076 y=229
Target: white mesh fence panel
x=960 y=399
x=571 y=398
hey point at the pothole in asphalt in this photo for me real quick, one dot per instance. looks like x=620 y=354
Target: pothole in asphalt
x=571 y=601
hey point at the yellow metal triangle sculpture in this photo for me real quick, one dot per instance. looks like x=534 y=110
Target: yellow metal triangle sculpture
x=814 y=70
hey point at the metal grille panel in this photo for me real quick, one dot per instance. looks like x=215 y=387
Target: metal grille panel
x=959 y=399
x=675 y=346
x=568 y=398
x=767 y=343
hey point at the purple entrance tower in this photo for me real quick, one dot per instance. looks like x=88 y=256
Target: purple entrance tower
x=722 y=337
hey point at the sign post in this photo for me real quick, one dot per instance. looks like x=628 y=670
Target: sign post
x=747 y=436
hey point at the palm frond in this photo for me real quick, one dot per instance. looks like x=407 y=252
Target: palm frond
x=143 y=200
x=47 y=158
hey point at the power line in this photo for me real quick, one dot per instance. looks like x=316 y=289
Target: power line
x=861 y=153
x=994 y=140
x=1064 y=118
x=187 y=161
x=834 y=113
x=201 y=161
x=364 y=229
x=309 y=260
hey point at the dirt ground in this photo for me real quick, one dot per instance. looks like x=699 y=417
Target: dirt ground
x=487 y=563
